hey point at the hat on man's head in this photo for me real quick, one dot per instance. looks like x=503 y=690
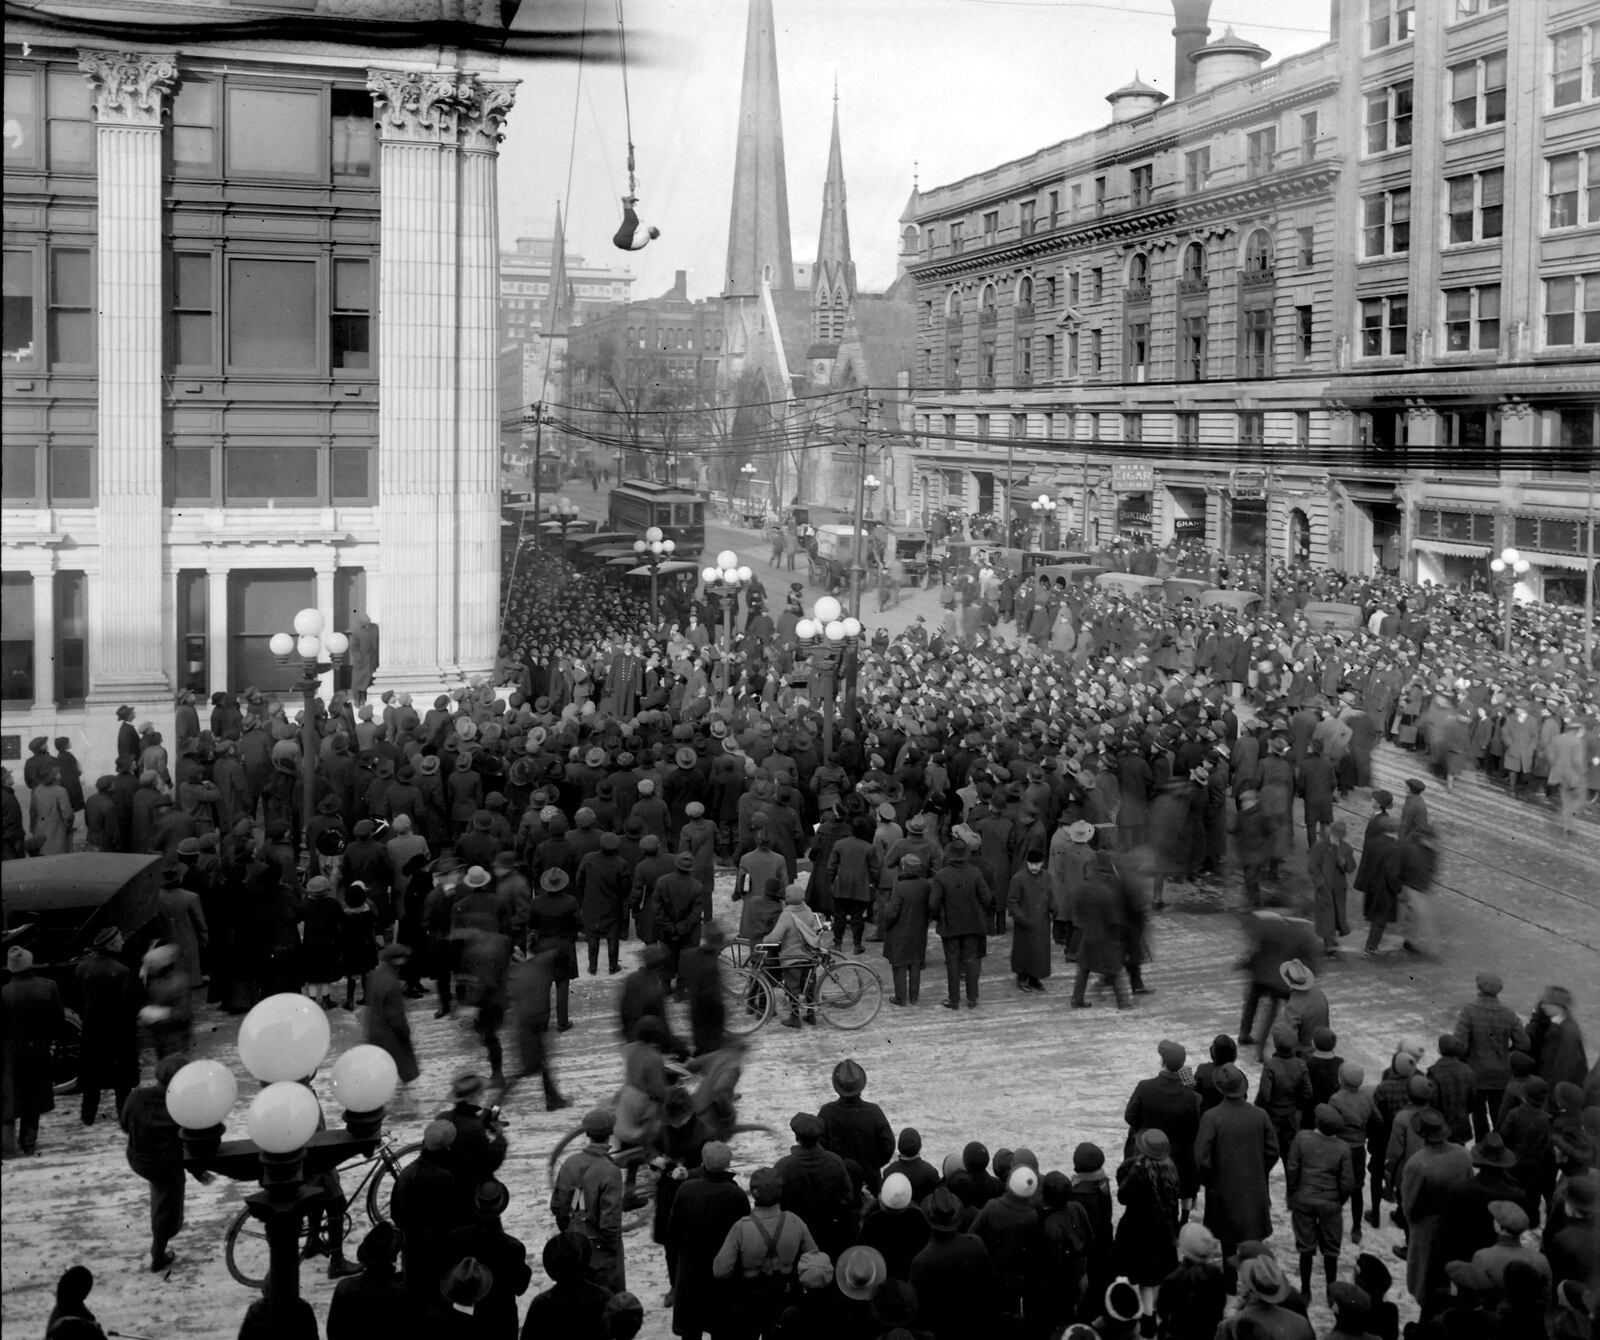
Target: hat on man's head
x=466 y=1085
x=1491 y=1152
x=1508 y=1216
x=896 y=1193
x=849 y=1079
x=381 y=1245
x=1262 y=1276
x=684 y=860
x=859 y=1272
x=491 y=1198
x=1122 y=1300
x=1152 y=1142
x=1081 y=831
x=1198 y=1243
x=943 y=1209
x=1489 y=984
x=554 y=880
x=598 y=1123
x=807 y=1127
x=566 y=1256
x=1296 y=976
x=476 y=877
x=1352 y=1306
x=715 y=1156
x=438 y=1136
x=1230 y=1081
x=766 y=1186
x=1431 y=1126
x=1172 y=1054
x=1088 y=1158
x=18 y=959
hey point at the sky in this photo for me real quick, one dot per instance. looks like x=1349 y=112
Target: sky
x=935 y=88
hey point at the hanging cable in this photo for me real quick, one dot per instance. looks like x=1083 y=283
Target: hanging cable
x=627 y=108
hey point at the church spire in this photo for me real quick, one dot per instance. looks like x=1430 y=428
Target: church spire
x=558 y=302
x=833 y=286
x=758 y=223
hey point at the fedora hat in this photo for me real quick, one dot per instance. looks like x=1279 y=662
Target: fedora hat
x=943 y=1209
x=860 y=1271
x=476 y=877
x=554 y=880
x=1491 y=1152
x=1081 y=831
x=1296 y=976
x=849 y=1079
x=466 y=1085
x=467 y=1283
x=428 y=765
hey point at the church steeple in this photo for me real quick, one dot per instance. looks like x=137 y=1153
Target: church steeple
x=558 y=302
x=758 y=223
x=833 y=284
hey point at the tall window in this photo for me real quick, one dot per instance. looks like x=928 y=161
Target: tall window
x=17 y=634
x=1133 y=427
x=1302 y=428
x=1386 y=223
x=1258 y=254
x=1077 y=200
x=1572 y=310
x=350 y=330
x=21 y=294
x=1472 y=319
x=1306 y=246
x=352 y=133
x=294 y=146
x=1096 y=352
x=1303 y=327
x=1186 y=428
x=1051 y=371
x=1193 y=277
x=1478 y=92
x=1389 y=118
x=1573 y=188
x=72 y=308
x=1025 y=296
x=1138 y=277
x=1252 y=427
x=1138 y=349
x=1309 y=130
x=1025 y=220
x=1255 y=342
x=1466 y=9
x=272 y=304
x=1141 y=184
x=1054 y=200
x=1097 y=284
x=1575 y=66
x=1192 y=349
x=1476 y=205
x=1024 y=361
x=1389 y=21
x=1074 y=289
x=1383 y=325
x=986 y=364
x=1072 y=354
x=193 y=310
x=991 y=227
x=955 y=237
x=1261 y=146
x=1099 y=196
x=1196 y=169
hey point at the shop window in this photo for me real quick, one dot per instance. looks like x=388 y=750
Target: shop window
x=293 y=148
x=72 y=308
x=20 y=289
x=271 y=308
x=194 y=129
x=16 y=636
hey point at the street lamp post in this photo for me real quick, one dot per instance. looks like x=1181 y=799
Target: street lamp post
x=871 y=484
x=824 y=641
x=282 y=1041
x=653 y=551
x=747 y=472
x=563 y=511
x=1044 y=509
x=1508 y=569
x=722 y=584
x=308 y=642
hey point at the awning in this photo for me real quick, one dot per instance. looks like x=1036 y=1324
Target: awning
x=1369 y=493
x=1575 y=561
x=1454 y=548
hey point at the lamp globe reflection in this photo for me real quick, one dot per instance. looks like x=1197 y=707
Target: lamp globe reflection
x=827 y=609
x=284 y=1037
x=282 y=1118
x=364 y=1078
x=201 y=1095
x=309 y=622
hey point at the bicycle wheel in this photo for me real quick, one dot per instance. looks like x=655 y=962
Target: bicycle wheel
x=849 y=995
x=380 y=1190
x=746 y=999
x=736 y=953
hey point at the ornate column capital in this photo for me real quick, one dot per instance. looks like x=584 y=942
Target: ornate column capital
x=417 y=105
x=129 y=87
x=486 y=104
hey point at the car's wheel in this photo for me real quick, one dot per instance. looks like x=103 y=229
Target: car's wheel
x=64 y=1055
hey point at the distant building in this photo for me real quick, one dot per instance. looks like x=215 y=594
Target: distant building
x=238 y=379
x=1320 y=267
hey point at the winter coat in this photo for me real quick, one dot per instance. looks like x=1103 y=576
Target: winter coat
x=1425 y=1185
x=1029 y=906
x=183 y=923
x=707 y=1205
x=108 y=999
x=1009 y=1227
x=1233 y=1154
x=1490 y=1032
x=1557 y=1049
x=961 y=901
x=905 y=922
x=1318 y=1171
x=1099 y=915
x=853 y=869
x=1165 y=1103
x=951 y=1276
x=385 y=1021
x=31 y=1018
x=816 y=1187
x=856 y=1129
x=588 y=1198
x=899 y=1235
x=1378 y=876
x=601 y=892
x=1146 y=1247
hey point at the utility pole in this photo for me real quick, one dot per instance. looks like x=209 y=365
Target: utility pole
x=538 y=472
x=858 y=571
x=1266 y=542
x=1588 y=585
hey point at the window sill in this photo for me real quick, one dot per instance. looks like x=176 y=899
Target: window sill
x=1462 y=248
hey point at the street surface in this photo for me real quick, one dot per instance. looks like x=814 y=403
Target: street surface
x=1515 y=897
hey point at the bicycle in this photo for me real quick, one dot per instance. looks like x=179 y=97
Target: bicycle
x=844 y=993
x=246 y=1249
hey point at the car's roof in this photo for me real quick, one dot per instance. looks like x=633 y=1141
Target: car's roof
x=76 y=879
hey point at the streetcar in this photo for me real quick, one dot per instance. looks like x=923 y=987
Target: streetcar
x=638 y=504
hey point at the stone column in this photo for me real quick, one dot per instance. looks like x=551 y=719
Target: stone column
x=417 y=115
x=44 y=640
x=128 y=641
x=477 y=493
x=217 y=629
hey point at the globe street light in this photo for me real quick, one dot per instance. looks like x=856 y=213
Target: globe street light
x=309 y=643
x=563 y=511
x=1508 y=570
x=282 y=1042
x=653 y=551
x=747 y=472
x=722 y=584
x=1044 y=509
x=825 y=640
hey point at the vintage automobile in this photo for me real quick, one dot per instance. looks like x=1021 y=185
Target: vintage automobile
x=1240 y=602
x=1332 y=614
x=1131 y=585
x=54 y=906
x=1180 y=589
x=834 y=554
x=1054 y=558
x=911 y=551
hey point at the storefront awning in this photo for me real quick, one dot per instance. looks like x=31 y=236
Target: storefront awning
x=1575 y=561
x=1454 y=548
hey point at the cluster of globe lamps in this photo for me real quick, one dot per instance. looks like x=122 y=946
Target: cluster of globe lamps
x=829 y=622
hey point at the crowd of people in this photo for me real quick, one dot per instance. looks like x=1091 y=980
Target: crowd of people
x=1050 y=785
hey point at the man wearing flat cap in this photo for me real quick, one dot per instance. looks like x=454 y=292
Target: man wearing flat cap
x=816 y=1185
x=1166 y=1104
x=588 y=1198
x=1490 y=1031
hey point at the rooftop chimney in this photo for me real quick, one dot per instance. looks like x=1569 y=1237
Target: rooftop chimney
x=1191 y=31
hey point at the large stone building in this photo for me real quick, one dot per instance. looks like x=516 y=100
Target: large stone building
x=1337 y=306
x=250 y=357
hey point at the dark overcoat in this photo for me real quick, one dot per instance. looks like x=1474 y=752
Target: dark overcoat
x=386 y=1023
x=905 y=923
x=108 y=998
x=1029 y=905
x=1233 y=1153
x=31 y=1017
x=706 y=1206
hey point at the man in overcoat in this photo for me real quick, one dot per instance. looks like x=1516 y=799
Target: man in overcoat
x=1234 y=1153
x=31 y=1018
x=905 y=929
x=1167 y=1104
x=961 y=906
x=108 y=999
x=708 y=1203
x=1029 y=904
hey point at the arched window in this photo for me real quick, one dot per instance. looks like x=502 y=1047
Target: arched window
x=1194 y=263
x=986 y=302
x=1258 y=253
x=952 y=304
x=1138 y=270
x=1025 y=290
x=908 y=241
x=630 y=337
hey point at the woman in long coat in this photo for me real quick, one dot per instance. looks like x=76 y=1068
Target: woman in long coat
x=1146 y=1247
x=51 y=814
x=905 y=929
x=1028 y=901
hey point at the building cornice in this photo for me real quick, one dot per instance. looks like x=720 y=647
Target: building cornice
x=1228 y=204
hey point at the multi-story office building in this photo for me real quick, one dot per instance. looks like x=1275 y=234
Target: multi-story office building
x=250 y=339
x=1242 y=314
